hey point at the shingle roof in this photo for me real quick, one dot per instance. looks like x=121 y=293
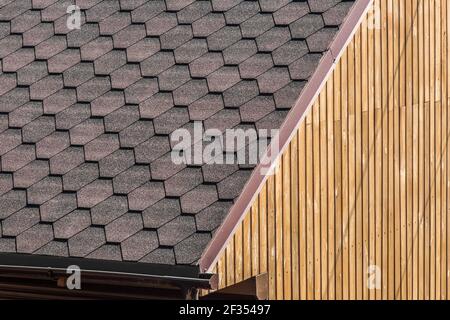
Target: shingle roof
x=86 y=115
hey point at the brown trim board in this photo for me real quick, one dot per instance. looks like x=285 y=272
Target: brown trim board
x=287 y=131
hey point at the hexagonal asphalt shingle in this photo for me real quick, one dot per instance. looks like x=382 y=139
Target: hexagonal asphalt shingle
x=87 y=116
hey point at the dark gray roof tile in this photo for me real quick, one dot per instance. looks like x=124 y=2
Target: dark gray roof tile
x=130 y=4
x=176 y=230
x=130 y=179
x=64 y=60
x=123 y=227
x=320 y=41
x=20 y=221
x=18 y=59
x=6 y=183
x=175 y=5
x=157 y=63
x=96 y=48
x=171 y=120
x=224 y=38
x=138 y=245
x=31 y=173
x=206 y=64
x=272 y=5
x=82 y=175
x=10 y=44
x=257 y=108
x=160 y=256
x=142 y=49
x=161 y=213
x=50 y=47
x=32 y=73
x=54 y=248
x=61 y=27
x=241 y=12
x=161 y=23
x=3 y=122
x=240 y=93
x=86 y=241
x=174 y=77
x=152 y=149
x=44 y=190
x=141 y=90
x=128 y=36
x=46 y=86
x=286 y=97
x=116 y=162
x=66 y=160
x=72 y=224
x=109 y=210
x=272 y=120
x=58 y=207
x=273 y=39
x=205 y=107
x=125 y=76
x=306 y=26
x=25 y=21
x=7 y=82
x=189 y=92
x=13 y=99
x=304 y=67
x=164 y=167
x=176 y=37
x=191 y=50
x=106 y=252
x=217 y=172
x=291 y=12
x=34 y=238
x=138 y=132
x=102 y=10
x=86 y=131
x=121 y=118
x=273 y=80
x=41 y=4
x=257 y=25
x=77 y=38
x=93 y=88
x=78 y=74
x=115 y=23
x=37 y=34
x=11 y=202
x=25 y=114
x=107 y=103
x=101 y=147
x=59 y=101
x=208 y=24
x=336 y=15
x=38 y=129
x=189 y=251
x=52 y=144
x=223 y=79
x=232 y=186
x=18 y=157
x=156 y=105
x=72 y=116
x=289 y=52
x=322 y=6
x=224 y=5
x=183 y=181
x=239 y=51
x=10 y=139
x=194 y=11
x=210 y=218
x=198 y=198
x=256 y=65
x=224 y=119
x=8 y=245
x=110 y=62
x=94 y=193
x=148 y=10
x=146 y=195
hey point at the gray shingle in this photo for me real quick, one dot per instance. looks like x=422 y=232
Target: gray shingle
x=46 y=86
x=86 y=131
x=171 y=120
x=86 y=241
x=102 y=10
x=54 y=248
x=135 y=134
x=13 y=99
x=50 y=47
x=306 y=26
x=110 y=62
x=32 y=73
x=7 y=82
x=257 y=108
x=130 y=179
x=286 y=97
x=156 y=105
x=72 y=116
x=6 y=183
x=183 y=181
x=176 y=37
x=176 y=230
x=44 y=190
x=10 y=139
x=96 y=48
x=58 y=207
x=161 y=213
x=176 y=5
x=106 y=252
x=115 y=23
x=52 y=144
x=128 y=36
x=289 y=52
x=161 y=23
x=208 y=24
x=336 y=15
x=239 y=51
x=59 y=101
x=64 y=60
x=223 y=79
x=146 y=195
x=31 y=173
x=205 y=107
x=164 y=167
x=116 y=162
x=198 y=198
x=206 y=64
x=123 y=227
x=25 y=21
x=291 y=12
x=304 y=67
x=78 y=74
x=174 y=77
x=194 y=11
x=72 y=224
x=107 y=103
x=93 y=88
x=148 y=10
x=152 y=149
x=10 y=44
x=109 y=210
x=11 y=202
x=320 y=41
x=191 y=50
x=141 y=90
x=142 y=49
x=66 y=160
x=77 y=38
x=160 y=256
x=94 y=193
x=34 y=238
x=37 y=34
x=121 y=118
x=157 y=63
x=18 y=157
x=273 y=80
x=18 y=59
x=101 y=147
x=257 y=25
x=77 y=178
x=138 y=245
x=211 y=218
x=189 y=251
x=38 y=129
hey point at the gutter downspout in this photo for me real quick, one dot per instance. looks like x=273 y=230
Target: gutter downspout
x=286 y=133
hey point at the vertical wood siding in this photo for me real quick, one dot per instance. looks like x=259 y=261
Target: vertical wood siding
x=365 y=182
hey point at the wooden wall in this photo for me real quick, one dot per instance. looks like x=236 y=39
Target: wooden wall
x=366 y=180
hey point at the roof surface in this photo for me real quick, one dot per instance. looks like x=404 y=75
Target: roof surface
x=86 y=116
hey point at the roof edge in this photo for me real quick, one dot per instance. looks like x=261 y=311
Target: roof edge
x=287 y=131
